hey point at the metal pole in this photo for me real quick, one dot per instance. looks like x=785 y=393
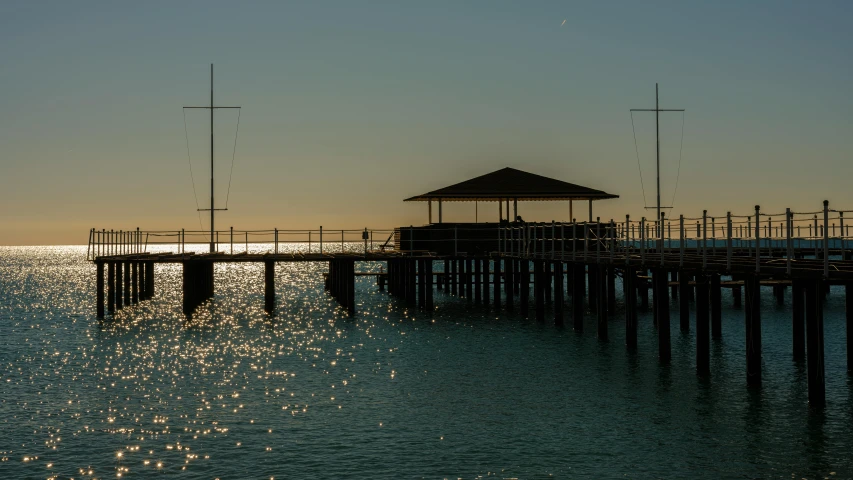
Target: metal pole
x=321 y=239
x=788 y=240
x=728 y=241
x=825 y=239
x=660 y=238
x=757 y=240
x=704 y=239
x=232 y=240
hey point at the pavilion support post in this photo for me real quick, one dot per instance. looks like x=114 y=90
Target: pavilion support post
x=439 y=211
x=590 y=210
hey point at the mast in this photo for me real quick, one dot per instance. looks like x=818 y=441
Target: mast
x=657 y=111
x=657 y=151
x=212 y=208
x=212 y=243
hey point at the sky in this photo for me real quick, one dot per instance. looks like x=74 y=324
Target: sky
x=350 y=107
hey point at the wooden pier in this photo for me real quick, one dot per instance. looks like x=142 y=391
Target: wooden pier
x=572 y=266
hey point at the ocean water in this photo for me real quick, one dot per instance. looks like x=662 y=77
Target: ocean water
x=461 y=392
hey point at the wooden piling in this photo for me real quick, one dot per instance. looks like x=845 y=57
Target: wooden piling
x=611 y=290
x=469 y=285
x=524 y=290
x=684 y=302
x=662 y=309
x=119 y=286
x=497 y=283
x=629 y=278
x=798 y=317
x=350 y=280
x=142 y=282
x=716 y=298
x=752 y=290
x=149 y=279
x=539 y=290
x=814 y=340
x=601 y=308
x=421 y=274
x=269 y=286
x=428 y=277
x=111 y=287
x=737 y=296
x=703 y=344
x=848 y=294
x=188 y=291
x=99 y=286
x=478 y=282
x=127 y=275
x=578 y=275
x=485 y=262
x=558 y=294
x=134 y=282
x=508 y=284
x=547 y=283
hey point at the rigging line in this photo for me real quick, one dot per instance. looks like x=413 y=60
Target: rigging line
x=680 y=150
x=233 y=154
x=189 y=162
x=638 y=159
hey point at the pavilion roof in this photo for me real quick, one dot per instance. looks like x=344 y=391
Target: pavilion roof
x=510 y=183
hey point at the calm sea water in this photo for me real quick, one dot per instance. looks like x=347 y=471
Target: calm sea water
x=464 y=392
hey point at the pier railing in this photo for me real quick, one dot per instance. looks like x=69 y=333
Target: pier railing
x=233 y=242
x=788 y=236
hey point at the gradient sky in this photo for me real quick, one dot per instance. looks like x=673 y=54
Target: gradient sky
x=349 y=107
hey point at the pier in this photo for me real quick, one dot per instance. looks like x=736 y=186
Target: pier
x=522 y=267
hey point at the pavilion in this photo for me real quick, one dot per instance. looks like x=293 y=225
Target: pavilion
x=510 y=184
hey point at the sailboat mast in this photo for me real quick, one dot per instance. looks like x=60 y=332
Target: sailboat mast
x=212 y=240
x=657 y=155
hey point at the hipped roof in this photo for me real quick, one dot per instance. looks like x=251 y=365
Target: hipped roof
x=509 y=183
